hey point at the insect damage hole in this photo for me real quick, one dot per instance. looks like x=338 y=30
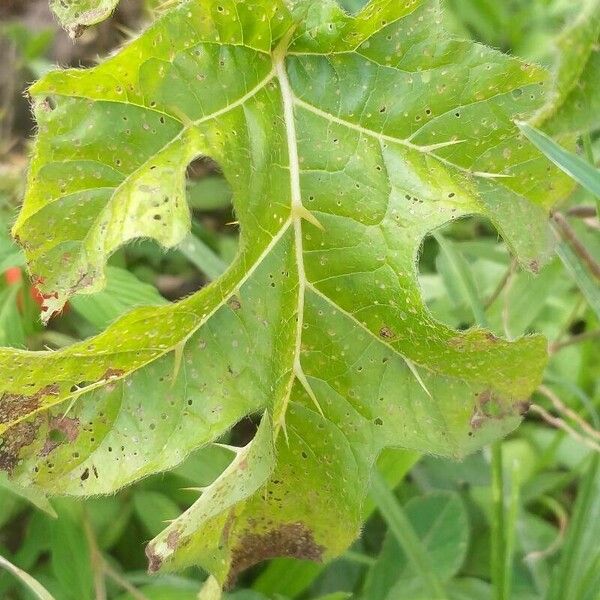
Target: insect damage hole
x=214 y=238
x=212 y=242
x=452 y=267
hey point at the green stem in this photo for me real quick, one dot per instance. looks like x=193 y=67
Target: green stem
x=38 y=590
x=402 y=529
x=499 y=579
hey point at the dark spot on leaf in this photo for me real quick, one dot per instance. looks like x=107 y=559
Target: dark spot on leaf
x=112 y=374
x=154 y=560
x=62 y=429
x=19 y=436
x=173 y=540
x=490 y=406
x=386 y=333
x=85 y=474
x=15 y=406
x=293 y=540
x=234 y=303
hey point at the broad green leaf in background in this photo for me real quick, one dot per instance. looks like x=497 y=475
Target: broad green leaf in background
x=76 y=15
x=154 y=510
x=123 y=292
x=346 y=140
x=162 y=592
x=440 y=522
x=35 y=497
x=70 y=557
x=210 y=193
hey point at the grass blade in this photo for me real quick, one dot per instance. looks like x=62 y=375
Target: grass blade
x=577 y=575
x=202 y=257
x=580 y=275
x=577 y=168
x=499 y=562
x=463 y=275
x=37 y=588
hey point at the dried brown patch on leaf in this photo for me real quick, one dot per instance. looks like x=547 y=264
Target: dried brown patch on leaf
x=293 y=540
x=234 y=303
x=155 y=561
x=16 y=406
x=490 y=405
x=19 y=436
x=112 y=374
x=523 y=407
x=386 y=333
x=173 y=540
x=61 y=430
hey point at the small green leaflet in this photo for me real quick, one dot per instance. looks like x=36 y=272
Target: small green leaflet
x=573 y=105
x=76 y=15
x=346 y=141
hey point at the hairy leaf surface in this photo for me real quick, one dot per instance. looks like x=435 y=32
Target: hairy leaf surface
x=346 y=140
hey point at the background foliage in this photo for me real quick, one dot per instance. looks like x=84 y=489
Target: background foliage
x=551 y=476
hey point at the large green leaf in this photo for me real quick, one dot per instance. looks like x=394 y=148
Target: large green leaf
x=345 y=140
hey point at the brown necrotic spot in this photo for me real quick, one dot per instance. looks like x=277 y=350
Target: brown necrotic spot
x=62 y=429
x=154 y=560
x=490 y=406
x=16 y=406
x=234 y=303
x=112 y=374
x=173 y=540
x=19 y=436
x=293 y=540
x=386 y=333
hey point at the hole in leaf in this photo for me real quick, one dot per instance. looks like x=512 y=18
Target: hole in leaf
x=469 y=267
x=208 y=249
